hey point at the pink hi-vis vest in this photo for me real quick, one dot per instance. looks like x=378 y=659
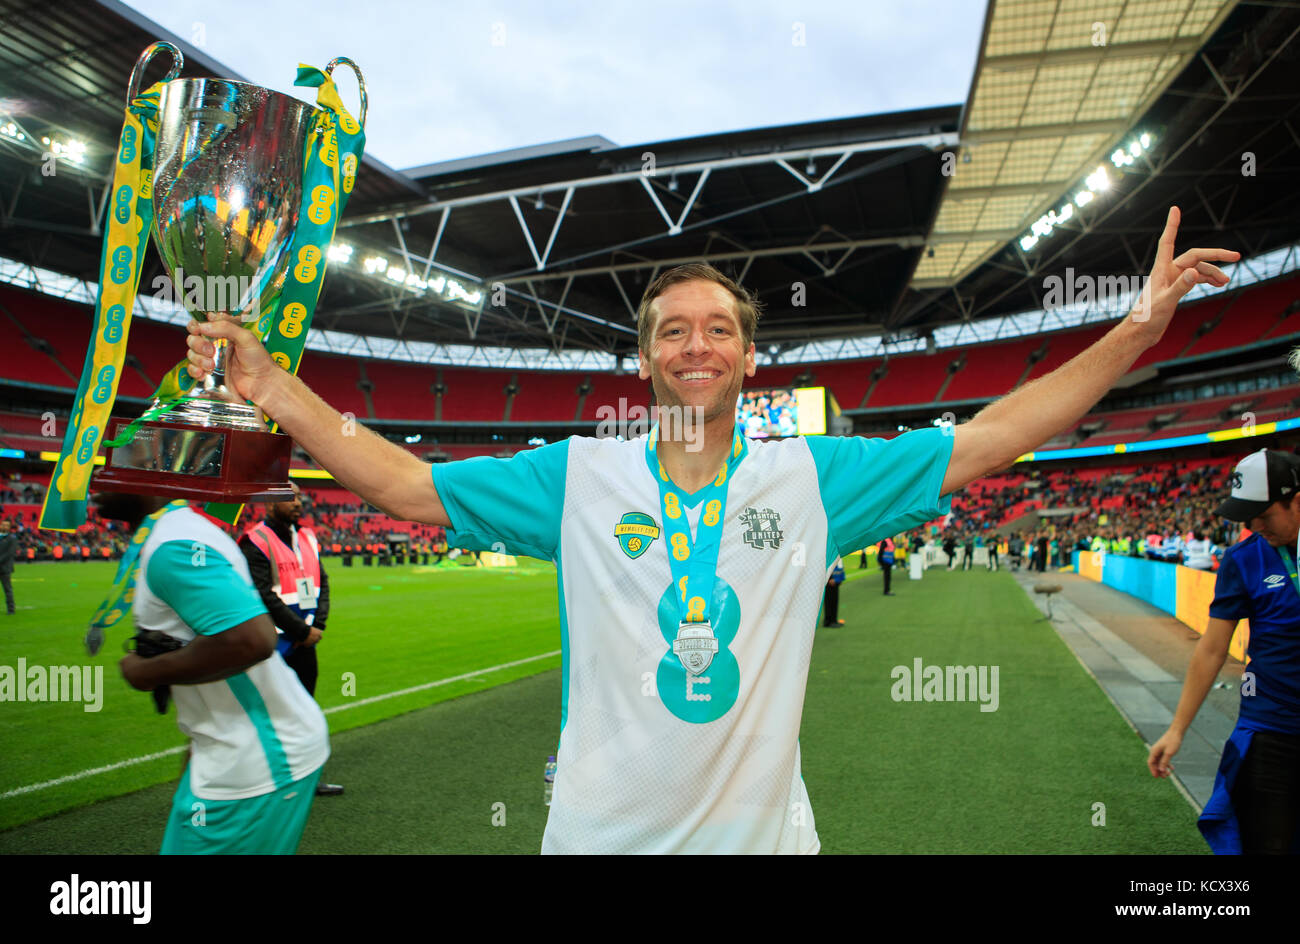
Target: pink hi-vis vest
x=286 y=570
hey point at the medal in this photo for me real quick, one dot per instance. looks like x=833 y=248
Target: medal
x=694 y=563
x=695 y=646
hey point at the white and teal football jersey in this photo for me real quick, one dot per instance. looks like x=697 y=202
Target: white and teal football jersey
x=251 y=733
x=654 y=758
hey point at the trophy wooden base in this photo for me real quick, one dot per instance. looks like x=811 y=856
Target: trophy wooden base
x=200 y=463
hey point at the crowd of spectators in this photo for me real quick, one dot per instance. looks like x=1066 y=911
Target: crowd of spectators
x=1156 y=514
x=355 y=527
x=1162 y=514
x=17 y=492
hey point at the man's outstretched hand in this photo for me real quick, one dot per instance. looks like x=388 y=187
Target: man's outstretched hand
x=250 y=371
x=1172 y=278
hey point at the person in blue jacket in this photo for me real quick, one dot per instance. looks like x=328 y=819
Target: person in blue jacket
x=1255 y=806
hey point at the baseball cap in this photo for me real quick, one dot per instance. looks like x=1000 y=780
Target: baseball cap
x=1259 y=480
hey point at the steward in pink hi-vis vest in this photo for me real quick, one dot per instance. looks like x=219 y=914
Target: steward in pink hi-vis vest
x=294 y=576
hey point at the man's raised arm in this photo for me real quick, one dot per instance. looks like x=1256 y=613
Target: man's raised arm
x=381 y=472
x=1022 y=421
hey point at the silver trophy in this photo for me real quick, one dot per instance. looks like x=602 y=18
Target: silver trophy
x=227 y=193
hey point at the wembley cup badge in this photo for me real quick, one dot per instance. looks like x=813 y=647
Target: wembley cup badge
x=695 y=646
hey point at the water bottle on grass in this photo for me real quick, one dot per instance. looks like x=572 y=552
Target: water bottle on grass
x=549 y=779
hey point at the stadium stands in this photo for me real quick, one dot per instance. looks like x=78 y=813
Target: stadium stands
x=780 y=375
x=992 y=367
x=609 y=389
x=24 y=431
x=913 y=378
x=545 y=397
x=337 y=380
x=156 y=348
x=1255 y=314
x=448 y=452
x=26 y=320
x=1281 y=399
x=474 y=395
x=1063 y=346
x=56 y=332
x=400 y=391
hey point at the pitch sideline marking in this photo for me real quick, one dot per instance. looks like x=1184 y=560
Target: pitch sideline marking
x=95 y=771
x=447 y=681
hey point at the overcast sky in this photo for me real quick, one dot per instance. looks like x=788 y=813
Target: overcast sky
x=449 y=80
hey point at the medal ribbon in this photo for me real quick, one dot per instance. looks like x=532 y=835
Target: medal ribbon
x=122 y=593
x=127 y=233
x=694 y=564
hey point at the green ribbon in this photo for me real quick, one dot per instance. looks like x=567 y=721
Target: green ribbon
x=125 y=238
x=127 y=433
x=122 y=594
x=694 y=564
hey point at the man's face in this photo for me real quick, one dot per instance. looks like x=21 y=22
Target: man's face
x=697 y=357
x=287 y=511
x=4 y=526
x=1279 y=523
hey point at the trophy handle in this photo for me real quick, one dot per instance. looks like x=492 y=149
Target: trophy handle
x=178 y=61
x=361 y=83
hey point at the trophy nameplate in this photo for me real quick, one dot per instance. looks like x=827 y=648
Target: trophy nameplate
x=202 y=463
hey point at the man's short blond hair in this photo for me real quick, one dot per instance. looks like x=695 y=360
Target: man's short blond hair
x=748 y=307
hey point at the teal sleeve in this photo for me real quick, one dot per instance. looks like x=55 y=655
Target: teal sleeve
x=206 y=592
x=515 y=504
x=875 y=488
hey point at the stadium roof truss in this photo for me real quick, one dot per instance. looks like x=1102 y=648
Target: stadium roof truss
x=1058 y=86
x=660 y=183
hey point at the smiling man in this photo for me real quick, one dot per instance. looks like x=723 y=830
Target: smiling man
x=691 y=568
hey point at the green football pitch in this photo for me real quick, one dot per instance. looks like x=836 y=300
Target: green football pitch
x=442 y=690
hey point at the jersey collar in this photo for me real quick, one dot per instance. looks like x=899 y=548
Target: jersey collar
x=739 y=449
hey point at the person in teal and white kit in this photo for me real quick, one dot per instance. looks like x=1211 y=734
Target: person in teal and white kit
x=690 y=561
x=257 y=739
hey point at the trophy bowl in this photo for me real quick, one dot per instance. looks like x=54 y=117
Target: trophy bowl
x=227 y=192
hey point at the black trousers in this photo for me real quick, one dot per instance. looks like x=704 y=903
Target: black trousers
x=831 y=608
x=302 y=660
x=885 y=569
x=1266 y=795
x=9 y=591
